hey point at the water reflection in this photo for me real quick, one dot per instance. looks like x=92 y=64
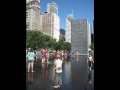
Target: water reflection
x=57 y=80
x=77 y=58
x=65 y=57
x=90 y=83
x=44 y=69
x=75 y=75
x=30 y=81
x=30 y=78
x=90 y=77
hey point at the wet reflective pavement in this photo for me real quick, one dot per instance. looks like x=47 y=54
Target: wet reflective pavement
x=75 y=75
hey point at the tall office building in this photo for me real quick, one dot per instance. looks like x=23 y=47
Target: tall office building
x=80 y=31
x=51 y=24
x=62 y=34
x=92 y=38
x=68 y=27
x=93 y=31
x=33 y=14
x=52 y=8
x=27 y=1
x=89 y=34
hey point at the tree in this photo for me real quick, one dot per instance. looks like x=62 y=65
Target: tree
x=67 y=46
x=92 y=46
x=37 y=39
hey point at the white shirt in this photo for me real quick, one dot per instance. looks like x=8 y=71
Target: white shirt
x=58 y=64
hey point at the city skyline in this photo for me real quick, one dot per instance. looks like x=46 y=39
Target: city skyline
x=81 y=9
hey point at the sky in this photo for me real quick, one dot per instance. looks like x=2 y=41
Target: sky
x=82 y=9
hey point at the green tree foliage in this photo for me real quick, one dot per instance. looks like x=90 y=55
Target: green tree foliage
x=67 y=46
x=92 y=46
x=38 y=40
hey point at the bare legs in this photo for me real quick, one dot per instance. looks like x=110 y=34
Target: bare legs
x=30 y=65
x=47 y=60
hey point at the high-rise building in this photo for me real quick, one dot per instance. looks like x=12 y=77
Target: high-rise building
x=27 y=1
x=92 y=38
x=93 y=31
x=62 y=34
x=89 y=34
x=51 y=24
x=68 y=28
x=52 y=8
x=80 y=36
x=33 y=14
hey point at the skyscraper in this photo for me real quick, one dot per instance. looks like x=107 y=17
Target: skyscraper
x=33 y=14
x=62 y=34
x=52 y=8
x=50 y=21
x=93 y=31
x=51 y=24
x=68 y=28
x=89 y=34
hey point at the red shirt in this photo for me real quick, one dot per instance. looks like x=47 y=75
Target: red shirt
x=45 y=53
x=56 y=53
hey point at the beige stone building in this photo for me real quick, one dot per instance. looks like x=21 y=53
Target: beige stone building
x=51 y=24
x=33 y=14
x=48 y=22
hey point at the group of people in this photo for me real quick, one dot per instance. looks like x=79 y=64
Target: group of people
x=32 y=54
x=30 y=57
x=57 y=70
x=61 y=53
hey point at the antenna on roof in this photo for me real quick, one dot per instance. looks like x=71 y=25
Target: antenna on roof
x=72 y=12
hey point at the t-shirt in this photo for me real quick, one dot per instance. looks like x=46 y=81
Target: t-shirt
x=31 y=56
x=58 y=64
x=45 y=53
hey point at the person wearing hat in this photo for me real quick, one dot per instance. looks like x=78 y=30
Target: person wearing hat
x=58 y=71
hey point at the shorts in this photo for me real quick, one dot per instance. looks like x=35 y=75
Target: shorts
x=47 y=57
x=31 y=60
x=90 y=63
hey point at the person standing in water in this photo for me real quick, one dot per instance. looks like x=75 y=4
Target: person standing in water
x=90 y=61
x=58 y=71
x=31 y=56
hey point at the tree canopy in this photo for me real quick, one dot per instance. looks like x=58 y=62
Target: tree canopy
x=37 y=39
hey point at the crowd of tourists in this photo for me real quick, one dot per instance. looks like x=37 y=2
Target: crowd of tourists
x=44 y=55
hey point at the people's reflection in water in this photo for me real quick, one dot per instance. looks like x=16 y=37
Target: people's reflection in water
x=72 y=58
x=62 y=58
x=77 y=58
x=65 y=56
x=30 y=77
x=44 y=69
x=89 y=78
x=57 y=80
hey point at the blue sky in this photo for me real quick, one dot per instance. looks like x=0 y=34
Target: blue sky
x=82 y=9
